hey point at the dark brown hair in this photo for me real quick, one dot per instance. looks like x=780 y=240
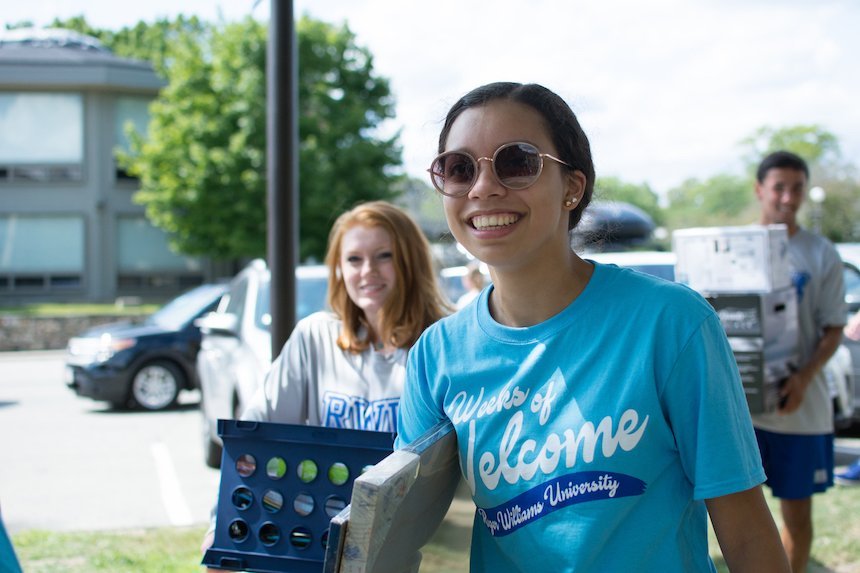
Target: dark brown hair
x=567 y=135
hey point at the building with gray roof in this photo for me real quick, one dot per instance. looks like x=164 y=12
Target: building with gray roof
x=69 y=228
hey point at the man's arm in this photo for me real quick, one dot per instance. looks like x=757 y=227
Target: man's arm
x=795 y=388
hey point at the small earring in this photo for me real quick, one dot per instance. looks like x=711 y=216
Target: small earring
x=570 y=202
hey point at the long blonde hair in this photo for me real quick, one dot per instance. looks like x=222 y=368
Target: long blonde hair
x=413 y=305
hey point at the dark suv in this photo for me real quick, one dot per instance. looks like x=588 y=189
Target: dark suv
x=145 y=364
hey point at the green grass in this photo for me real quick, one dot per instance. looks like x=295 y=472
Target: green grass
x=836 y=526
x=82 y=309
x=159 y=550
x=165 y=550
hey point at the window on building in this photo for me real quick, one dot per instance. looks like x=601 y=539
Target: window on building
x=145 y=261
x=41 y=137
x=41 y=253
x=130 y=112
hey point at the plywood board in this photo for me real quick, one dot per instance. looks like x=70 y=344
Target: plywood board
x=397 y=506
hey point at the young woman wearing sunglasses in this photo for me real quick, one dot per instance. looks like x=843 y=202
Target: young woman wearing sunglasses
x=598 y=411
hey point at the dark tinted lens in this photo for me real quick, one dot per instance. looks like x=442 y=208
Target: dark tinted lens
x=517 y=165
x=453 y=173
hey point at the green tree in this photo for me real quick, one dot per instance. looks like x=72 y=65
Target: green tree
x=18 y=24
x=614 y=189
x=719 y=200
x=341 y=103
x=815 y=144
x=419 y=198
x=202 y=164
x=840 y=210
x=143 y=41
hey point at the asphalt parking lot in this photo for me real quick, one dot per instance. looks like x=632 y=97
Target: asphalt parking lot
x=73 y=463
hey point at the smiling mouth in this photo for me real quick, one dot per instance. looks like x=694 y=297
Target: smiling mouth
x=486 y=222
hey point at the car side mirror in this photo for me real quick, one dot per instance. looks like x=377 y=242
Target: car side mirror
x=219 y=323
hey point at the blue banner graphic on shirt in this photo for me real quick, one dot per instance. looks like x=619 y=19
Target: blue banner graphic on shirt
x=555 y=494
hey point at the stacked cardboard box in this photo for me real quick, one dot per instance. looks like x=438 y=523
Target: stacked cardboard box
x=762 y=330
x=744 y=273
x=745 y=259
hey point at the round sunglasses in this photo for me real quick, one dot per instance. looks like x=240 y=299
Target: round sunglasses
x=516 y=165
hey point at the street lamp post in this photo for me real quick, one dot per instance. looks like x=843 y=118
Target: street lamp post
x=817 y=196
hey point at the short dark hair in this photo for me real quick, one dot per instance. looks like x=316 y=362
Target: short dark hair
x=566 y=133
x=781 y=160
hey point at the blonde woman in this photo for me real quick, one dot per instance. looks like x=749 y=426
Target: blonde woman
x=345 y=368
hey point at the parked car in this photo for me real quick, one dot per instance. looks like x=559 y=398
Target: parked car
x=841 y=371
x=850 y=253
x=145 y=364
x=612 y=225
x=657 y=263
x=235 y=353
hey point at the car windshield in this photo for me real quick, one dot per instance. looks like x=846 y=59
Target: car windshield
x=179 y=311
x=311 y=298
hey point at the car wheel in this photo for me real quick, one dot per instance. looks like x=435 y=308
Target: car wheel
x=156 y=385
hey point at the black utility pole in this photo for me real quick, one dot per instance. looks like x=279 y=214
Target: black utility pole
x=282 y=169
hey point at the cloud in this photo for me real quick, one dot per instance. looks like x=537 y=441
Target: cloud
x=665 y=88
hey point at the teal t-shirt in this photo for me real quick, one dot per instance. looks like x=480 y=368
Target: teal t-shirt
x=590 y=441
x=8 y=560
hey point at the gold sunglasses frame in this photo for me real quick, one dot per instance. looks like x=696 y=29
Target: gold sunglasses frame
x=492 y=160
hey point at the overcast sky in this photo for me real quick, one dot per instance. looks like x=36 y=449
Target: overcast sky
x=665 y=89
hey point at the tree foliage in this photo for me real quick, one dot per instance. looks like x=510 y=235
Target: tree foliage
x=838 y=214
x=839 y=217
x=419 y=198
x=815 y=144
x=614 y=189
x=202 y=164
x=341 y=102
x=719 y=200
x=726 y=199
x=143 y=41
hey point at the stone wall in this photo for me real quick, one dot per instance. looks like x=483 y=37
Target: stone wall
x=47 y=333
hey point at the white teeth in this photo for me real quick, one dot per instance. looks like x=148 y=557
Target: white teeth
x=488 y=221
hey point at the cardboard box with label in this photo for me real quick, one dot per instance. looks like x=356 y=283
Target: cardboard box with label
x=762 y=369
x=770 y=315
x=763 y=332
x=742 y=259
